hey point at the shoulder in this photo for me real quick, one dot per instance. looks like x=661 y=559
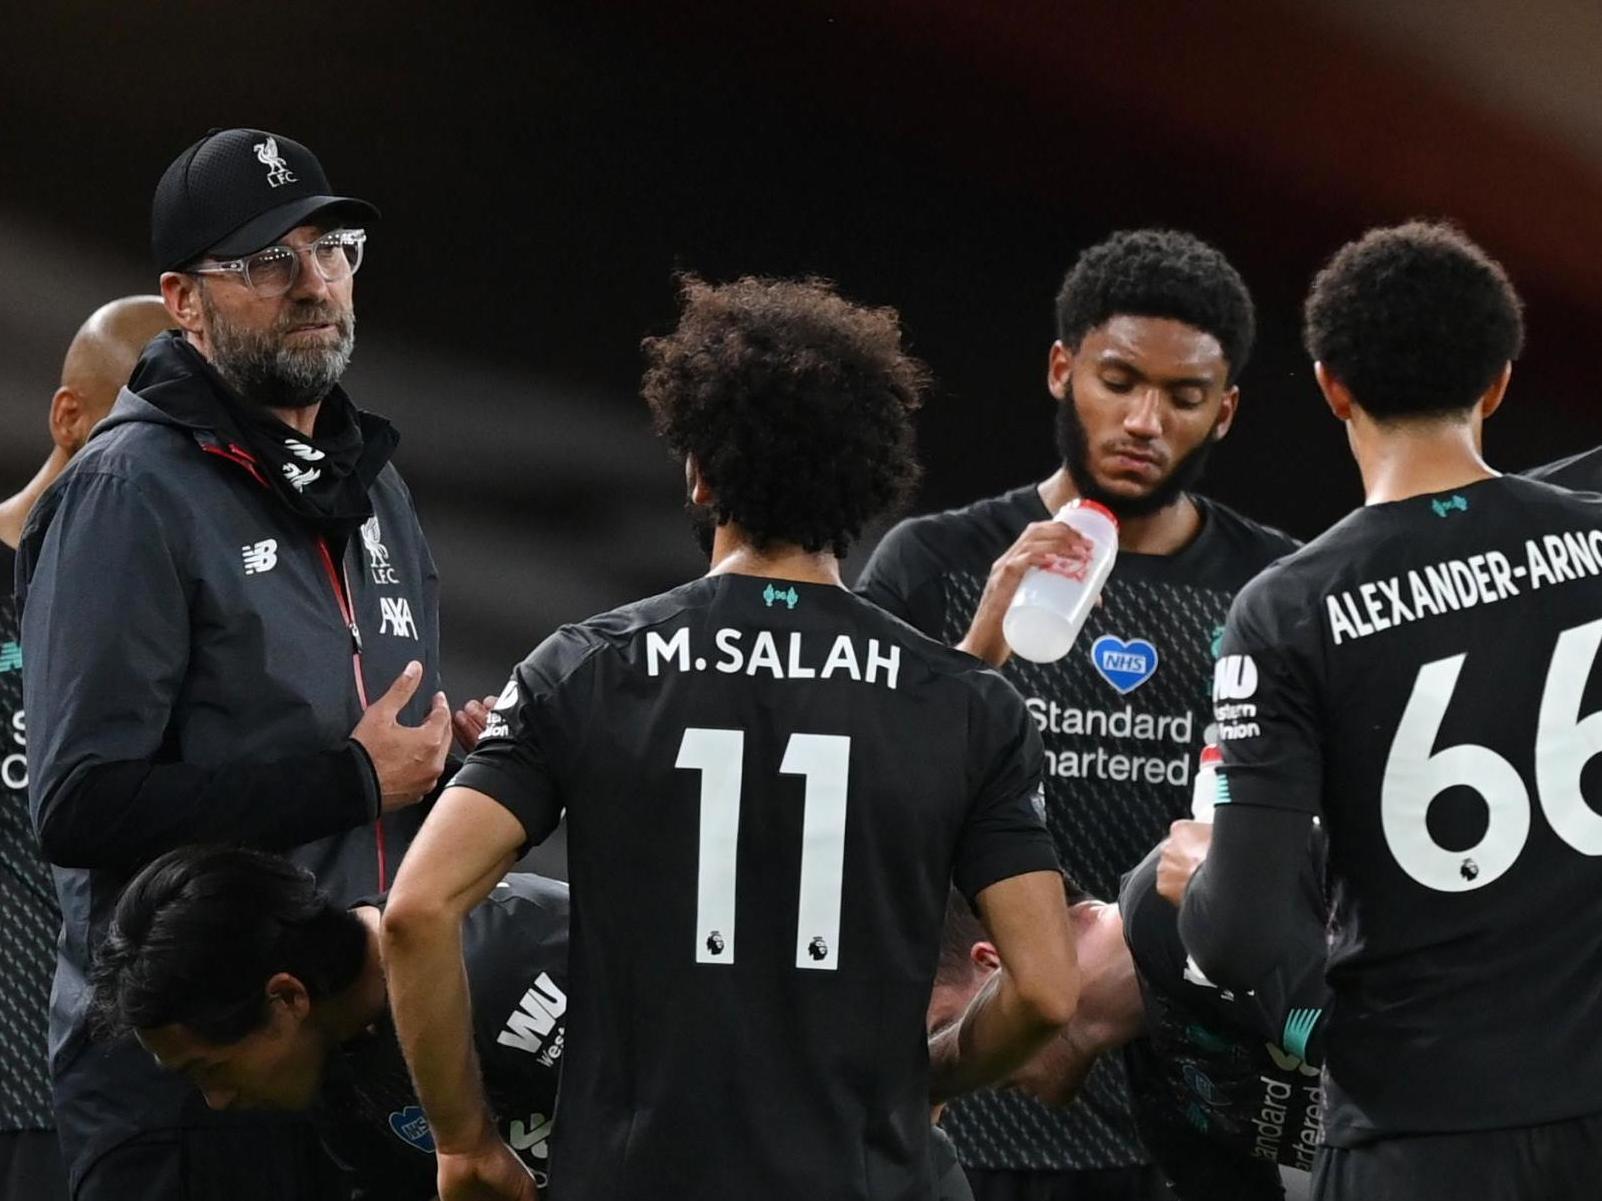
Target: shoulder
x=144 y=452
x=942 y=662
x=1282 y=608
x=1559 y=491
x=576 y=645
x=1255 y=542
x=1581 y=471
x=970 y=536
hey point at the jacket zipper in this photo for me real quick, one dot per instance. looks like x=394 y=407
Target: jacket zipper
x=341 y=586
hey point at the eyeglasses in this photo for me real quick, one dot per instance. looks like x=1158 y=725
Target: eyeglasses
x=273 y=271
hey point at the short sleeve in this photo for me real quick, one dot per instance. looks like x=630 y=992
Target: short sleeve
x=518 y=759
x=1005 y=833
x=1265 y=700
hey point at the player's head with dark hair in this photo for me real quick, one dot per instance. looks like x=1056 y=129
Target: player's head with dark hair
x=1414 y=322
x=215 y=958
x=791 y=406
x=967 y=958
x=1153 y=329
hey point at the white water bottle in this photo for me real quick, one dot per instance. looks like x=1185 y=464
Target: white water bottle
x=1204 y=794
x=1052 y=602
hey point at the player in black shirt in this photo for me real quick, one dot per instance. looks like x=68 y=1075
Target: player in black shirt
x=1422 y=676
x=97 y=364
x=1154 y=329
x=236 y=970
x=769 y=785
x=1224 y=1084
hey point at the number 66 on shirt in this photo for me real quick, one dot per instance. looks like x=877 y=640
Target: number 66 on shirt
x=1416 y=774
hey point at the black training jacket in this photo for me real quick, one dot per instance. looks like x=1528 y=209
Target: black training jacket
x=197 y=656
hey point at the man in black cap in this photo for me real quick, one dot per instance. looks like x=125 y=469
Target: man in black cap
x=210 y=594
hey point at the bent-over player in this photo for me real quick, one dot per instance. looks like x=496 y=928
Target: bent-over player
x=234 y=969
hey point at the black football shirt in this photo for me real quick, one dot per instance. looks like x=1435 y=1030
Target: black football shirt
x=1423 y=676
x=515 y=947
x=29 y=918
x=769 y=787
x=1223 y=1090
x=1123 y=715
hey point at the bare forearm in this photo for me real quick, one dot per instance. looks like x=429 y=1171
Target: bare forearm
x=433 y=1017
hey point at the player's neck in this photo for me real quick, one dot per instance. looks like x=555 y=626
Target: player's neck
x=1167 y=531
x=363 y=1001
x=14 y=510
x=733 y=554
x=1400 y=460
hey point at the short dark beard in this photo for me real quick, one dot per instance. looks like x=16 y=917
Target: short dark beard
x=703 y=525
x=1073 y=443
x=263 y=369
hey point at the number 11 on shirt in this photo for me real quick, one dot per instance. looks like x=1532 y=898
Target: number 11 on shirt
x=825 y=761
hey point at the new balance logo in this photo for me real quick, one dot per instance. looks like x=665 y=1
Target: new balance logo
x=397 y=617
x=10 y=656
x=260 y=556
x=1443 y=507
x=534 y=1021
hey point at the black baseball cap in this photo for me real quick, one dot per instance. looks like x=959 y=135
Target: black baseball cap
x=236 y=191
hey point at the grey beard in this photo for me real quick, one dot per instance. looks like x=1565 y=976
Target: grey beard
x=264 y=370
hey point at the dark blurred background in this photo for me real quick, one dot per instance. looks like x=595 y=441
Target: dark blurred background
x=545 y=168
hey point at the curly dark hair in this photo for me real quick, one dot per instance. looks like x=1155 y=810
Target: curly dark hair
x=198 y=933
x=1416 y=320
x=795 y=403
x=1158 y=273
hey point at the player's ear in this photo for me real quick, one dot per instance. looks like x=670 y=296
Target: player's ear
x=181 y=294
x=1336 y=394
x=985 y=956
x=1492 y=400
x=286 y=990
x=1059 y=365
x=1227 y=408
x=69 y=427
x=695 y=485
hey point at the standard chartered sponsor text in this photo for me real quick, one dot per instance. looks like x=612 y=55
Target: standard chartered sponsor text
x=1276 y=1111
x=1128 y=723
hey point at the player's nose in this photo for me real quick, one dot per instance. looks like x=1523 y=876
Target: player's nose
x=1143 y=417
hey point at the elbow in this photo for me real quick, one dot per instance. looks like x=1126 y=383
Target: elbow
x=66 y=843
x=1230 y=955
x=411 y=917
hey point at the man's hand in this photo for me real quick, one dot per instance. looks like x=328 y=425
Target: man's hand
x=469 y=722
x=1184 y=850
x=408 y=759
x=1041 y=544
x=489 y=1172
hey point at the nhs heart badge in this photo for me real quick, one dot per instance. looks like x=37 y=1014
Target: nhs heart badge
x=1124 y=665
x=411 y=1126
